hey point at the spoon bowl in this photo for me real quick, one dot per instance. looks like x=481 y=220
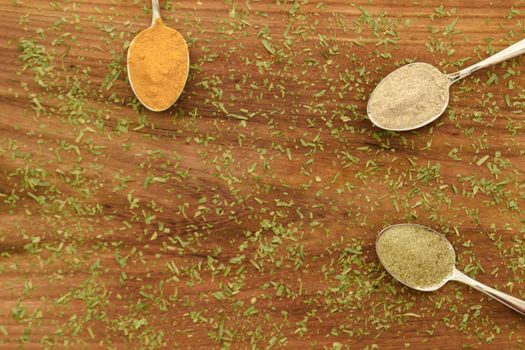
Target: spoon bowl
x=151 y=66
x=508 y=53
x=399 y=278
x=453 y=275
x=443 y=88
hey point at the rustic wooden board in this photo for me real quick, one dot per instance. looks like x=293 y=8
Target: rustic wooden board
x=248 y=212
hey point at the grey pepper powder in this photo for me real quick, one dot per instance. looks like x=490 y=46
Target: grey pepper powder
x=409 y=97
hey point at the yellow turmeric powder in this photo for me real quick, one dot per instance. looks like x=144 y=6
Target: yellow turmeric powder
x=158 y=63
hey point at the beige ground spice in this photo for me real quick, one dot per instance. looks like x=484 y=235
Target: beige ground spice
x=416 y=256
x=409 y=96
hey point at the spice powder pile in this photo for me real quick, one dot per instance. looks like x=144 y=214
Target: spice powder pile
x=158 y=62
x=416 y=256
x=409 y=97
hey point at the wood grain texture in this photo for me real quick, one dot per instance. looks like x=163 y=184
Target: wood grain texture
x=253 y=233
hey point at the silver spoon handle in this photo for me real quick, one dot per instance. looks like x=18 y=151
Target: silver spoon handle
x=505 y=54
x=508 y=300
x=155 y=11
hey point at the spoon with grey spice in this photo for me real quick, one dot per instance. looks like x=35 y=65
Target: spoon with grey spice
x=418 y=93
x=424 y=259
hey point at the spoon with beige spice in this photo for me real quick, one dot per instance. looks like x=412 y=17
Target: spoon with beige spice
x=158 y=64
x=418 y=93
x=424 y=259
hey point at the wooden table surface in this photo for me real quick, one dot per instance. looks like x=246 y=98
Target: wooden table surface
x=245 y=216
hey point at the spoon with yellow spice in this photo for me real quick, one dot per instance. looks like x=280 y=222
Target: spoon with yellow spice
x=158 y=64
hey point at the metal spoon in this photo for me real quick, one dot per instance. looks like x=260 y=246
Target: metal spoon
x=155 y=7
x=456 y=275
x=508 y=53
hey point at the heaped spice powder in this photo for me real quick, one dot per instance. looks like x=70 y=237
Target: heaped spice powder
x=416 y=256
x=158 y=65
x=409 y=97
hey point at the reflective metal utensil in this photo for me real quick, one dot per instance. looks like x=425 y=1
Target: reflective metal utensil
x=456 y=275
x=176 y=94
x=508 y=53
